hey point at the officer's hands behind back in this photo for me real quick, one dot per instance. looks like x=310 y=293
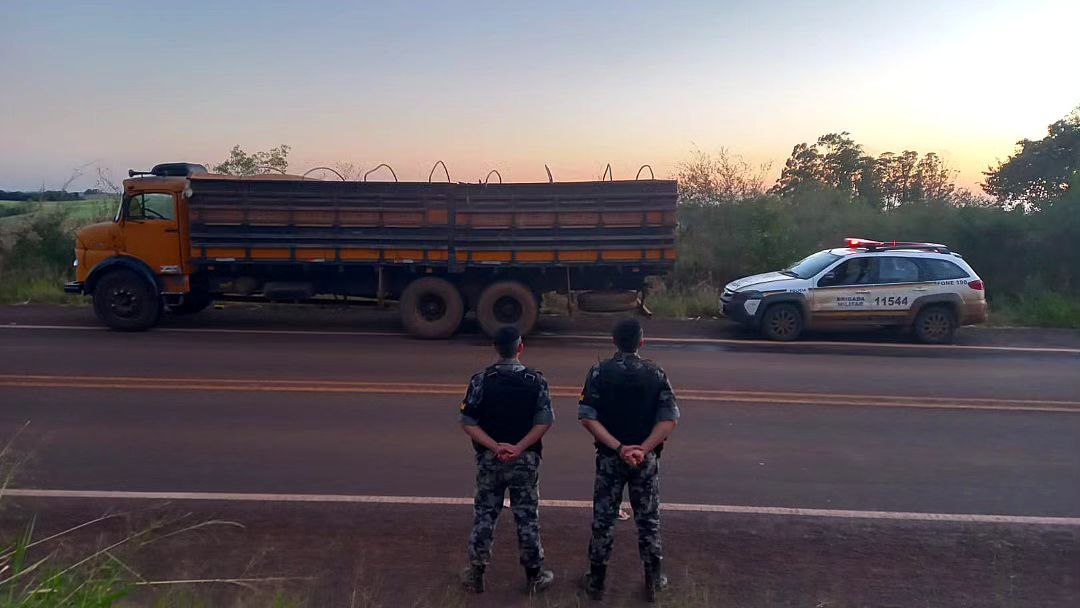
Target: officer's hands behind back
x=632 y=455
x=507 y=452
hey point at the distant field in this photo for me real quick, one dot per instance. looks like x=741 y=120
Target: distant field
x=78 y=211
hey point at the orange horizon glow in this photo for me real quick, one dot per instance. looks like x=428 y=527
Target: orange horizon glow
x=510 y=88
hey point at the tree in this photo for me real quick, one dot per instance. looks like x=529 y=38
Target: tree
x=906 y=178
x=722 y=177
x=242 y=163
x=1038 y=172
x=834 y=161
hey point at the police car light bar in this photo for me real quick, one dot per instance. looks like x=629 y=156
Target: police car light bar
x=856 y=243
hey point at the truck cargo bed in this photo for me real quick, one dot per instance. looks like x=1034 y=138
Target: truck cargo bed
x=439 y=224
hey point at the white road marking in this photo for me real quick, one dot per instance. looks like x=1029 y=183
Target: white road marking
x=566 y=504
x=592 y=338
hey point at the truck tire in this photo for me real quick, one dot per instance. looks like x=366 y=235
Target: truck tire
x=125 y=301
x=608 y=301
x=507 y=303
x=431 y=308
x=195 y=301
x=935 y=325
x=782 y=322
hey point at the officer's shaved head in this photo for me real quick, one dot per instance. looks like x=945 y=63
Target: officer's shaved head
x=627 y=335
x=507 y=340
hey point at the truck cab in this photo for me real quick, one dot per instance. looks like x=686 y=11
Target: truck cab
x=139 y=262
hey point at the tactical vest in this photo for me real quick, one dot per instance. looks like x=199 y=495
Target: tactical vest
x=629 y=401
x=508 y=405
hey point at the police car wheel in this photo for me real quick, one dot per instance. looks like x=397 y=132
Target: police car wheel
x=431 y=308
x=782 y=322
x=507 y=303
x=935 y=325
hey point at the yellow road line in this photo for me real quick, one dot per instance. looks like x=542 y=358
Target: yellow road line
x=704 y=394
x=442 y=389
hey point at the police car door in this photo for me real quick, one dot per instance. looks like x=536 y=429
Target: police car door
x=840 y=294
x=897 y=287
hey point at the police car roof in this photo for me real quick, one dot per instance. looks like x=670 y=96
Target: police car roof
x=846 y=251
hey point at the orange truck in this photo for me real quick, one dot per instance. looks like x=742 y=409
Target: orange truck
x=183 y=237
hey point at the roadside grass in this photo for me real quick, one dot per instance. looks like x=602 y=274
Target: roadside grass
x=1040 y=309
x=37 y=248
x=29 y=288
x=696 y=302
x=57 y=571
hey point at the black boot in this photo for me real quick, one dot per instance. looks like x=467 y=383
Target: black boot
x=538 y=579
x=472 y=579
x=594 y=581
x=655 y=580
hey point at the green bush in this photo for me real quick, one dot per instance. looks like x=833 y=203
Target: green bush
x=1015 y=252
x=1039 y=310
x=701 y=301
x=37 y=249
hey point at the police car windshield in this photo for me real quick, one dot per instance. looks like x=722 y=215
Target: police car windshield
x=812 y=265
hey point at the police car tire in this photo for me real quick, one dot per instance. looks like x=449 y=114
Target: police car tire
x=782 y=322
x=526 y=299
x=125 y=301
x=415 y=322
x=935 y=325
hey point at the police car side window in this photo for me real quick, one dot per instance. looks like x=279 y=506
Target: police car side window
x=857 y=271
x=941 y=270
x=898 y=270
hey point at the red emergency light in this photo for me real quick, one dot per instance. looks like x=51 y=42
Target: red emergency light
x=855 y=243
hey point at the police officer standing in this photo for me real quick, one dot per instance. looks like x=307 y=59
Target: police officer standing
x=629 y=407
x=506 y=411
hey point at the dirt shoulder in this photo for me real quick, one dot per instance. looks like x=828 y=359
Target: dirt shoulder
x=411 y=555
x=365 y=318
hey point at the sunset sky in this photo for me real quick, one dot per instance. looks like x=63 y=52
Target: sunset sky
x=515 y=85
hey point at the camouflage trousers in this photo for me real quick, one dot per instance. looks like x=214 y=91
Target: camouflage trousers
x=493 y=480
x=612 y=474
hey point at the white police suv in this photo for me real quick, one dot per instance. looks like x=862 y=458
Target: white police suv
x=922 y=286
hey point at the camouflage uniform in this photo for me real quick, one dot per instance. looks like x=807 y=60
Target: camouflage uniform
x=494 y=479
x=612 y=474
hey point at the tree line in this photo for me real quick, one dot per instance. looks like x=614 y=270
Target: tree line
x=1022 y=234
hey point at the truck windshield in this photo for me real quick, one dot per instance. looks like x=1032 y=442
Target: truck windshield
x=812 y=265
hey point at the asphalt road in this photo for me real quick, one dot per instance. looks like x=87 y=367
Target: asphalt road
x=295 y=408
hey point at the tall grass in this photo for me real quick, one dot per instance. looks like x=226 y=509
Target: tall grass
x=1040 y=309
x=695 y=302
x=38 y=247
x=63 y=570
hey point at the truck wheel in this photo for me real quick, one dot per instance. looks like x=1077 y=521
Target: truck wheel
x=935 y=325
x=507 y=303
x=195 y=301
x=431 y=308
x=125 y=301
x=782 y=322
